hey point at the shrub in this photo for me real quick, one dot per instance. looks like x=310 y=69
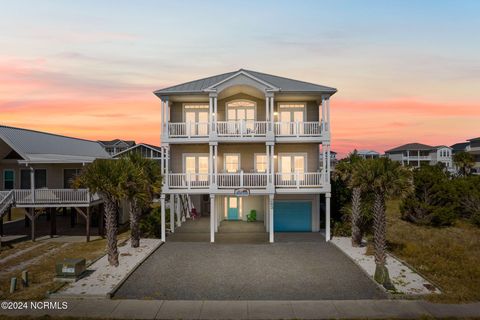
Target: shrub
x=150 y=224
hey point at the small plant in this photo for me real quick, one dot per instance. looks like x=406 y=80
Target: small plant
x=252 y=216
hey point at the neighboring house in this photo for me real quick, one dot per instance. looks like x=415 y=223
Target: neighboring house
x=368 y=154
x=146 y=150
x=417 y=154
x=246 y=140
x=37 y=170
x=333 y=159
x=116 y=146
x=471 y=146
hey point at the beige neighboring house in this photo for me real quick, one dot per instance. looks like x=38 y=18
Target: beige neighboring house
x=37 y=169
x=116 y=146
x=246 y=140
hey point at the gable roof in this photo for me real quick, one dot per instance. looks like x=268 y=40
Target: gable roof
x=41 y=147
x=367 y=152
x=281 y=83
x=460 y=146
x=145 y=145
x=115 y=142
x=411 y=146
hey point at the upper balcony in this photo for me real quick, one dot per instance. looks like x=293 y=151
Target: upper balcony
x=246 y=131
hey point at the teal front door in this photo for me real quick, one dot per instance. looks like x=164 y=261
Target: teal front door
x=232 y=213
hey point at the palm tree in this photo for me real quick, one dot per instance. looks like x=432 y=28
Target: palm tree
x=106 y=177
x=385 y=178
x=464 y=161
x=142 y=182
x=344 y=170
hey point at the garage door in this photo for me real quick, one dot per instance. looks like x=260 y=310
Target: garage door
x=292 y=216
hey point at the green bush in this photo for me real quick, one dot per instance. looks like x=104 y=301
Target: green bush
x=252 y=216
x=150 y=223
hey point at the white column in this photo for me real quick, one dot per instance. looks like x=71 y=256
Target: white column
x=167 y=116
x=327 y=216
x=270 y=217
x=215 y=111
x=267 y=108
x=212 y=218
x=328 y=163
x=167 y=161
x=162 y=219
x=172 y=213
x=215 y=163
x=178 y=211
x=210 y=112
x=210 y=164
x=272 y=113
x=162 y=160
x=32 y=183
x=162 y=116
x=324 y=163
x=328 y=116
x=272 y=151
x=408 y=157
x=323 y=118
x=267 y=153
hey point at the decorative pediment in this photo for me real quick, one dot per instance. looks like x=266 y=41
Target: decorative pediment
x=242 y=78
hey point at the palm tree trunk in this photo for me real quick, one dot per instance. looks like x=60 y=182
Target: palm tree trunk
x=380 y=241
x=356 y=217
x=134 y=224
x=111 y=231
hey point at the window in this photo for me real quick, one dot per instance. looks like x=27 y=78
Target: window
x=196 y=119
x=260 y=163
x=232 y=162
x=242 y=110
x=8 y=179
x=289 y=114
x=69 y=176
x=196 y=167
x=40 y=178
x=292 y=165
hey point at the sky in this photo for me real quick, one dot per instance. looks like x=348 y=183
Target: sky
x=406 y=71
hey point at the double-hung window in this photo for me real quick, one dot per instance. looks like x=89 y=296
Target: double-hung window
x=8 y=179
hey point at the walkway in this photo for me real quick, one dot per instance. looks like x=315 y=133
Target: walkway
x=346 y=309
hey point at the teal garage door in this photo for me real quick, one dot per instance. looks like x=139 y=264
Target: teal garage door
x=292 y=216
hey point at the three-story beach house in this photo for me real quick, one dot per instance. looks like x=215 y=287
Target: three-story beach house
x=245 y=140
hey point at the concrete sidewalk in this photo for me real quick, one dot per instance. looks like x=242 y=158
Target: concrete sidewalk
x=175 y=309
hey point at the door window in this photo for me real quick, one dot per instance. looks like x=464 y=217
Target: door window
x=196 y=168
x=242 y=111
x=291 y=118
x=69 y=175
x=261 y=163
x=292 y=166
x=196 y=119
x=8 y=179
x=232 y=163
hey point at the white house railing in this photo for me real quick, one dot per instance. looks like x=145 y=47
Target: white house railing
x=241 y=179
x=248 y=128
x=188 y=129
x=54 y=196
x=299 y=180
x=246 y=180
x=245 y=128
x=298 y=129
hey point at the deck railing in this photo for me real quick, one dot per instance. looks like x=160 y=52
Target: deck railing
x=6 y=199
x=248 y=128
x=298 y=129
x=242 y=179
x=188 y=129
x=54 y=196
x=299 y=180
x=244 y=128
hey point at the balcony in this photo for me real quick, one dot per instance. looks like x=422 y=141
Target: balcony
x=184 y=132
x=48 y=197
x=254 y=180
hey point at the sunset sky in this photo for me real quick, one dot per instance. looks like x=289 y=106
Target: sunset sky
x=406 y=71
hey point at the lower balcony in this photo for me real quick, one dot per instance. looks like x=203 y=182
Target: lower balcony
x=256 y=180
x=48 y=198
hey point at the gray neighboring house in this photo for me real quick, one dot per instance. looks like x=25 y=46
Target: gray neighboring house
x=417 y=154
x=247 y=140
x=116 y=146
x=368 y=154
x=37 y=169
x=471 y=146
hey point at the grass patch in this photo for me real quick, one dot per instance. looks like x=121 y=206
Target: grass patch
x=40 y=262
x=448 y=256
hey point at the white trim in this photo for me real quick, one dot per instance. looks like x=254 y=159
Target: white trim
x=14 y=178
x=241 y=72
x=225 y=161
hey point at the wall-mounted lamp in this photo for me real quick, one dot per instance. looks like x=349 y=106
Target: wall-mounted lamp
x=213 y=114
x=275 y=157
x=275 y=113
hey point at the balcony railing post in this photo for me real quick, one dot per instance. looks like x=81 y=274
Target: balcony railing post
x=241 y=178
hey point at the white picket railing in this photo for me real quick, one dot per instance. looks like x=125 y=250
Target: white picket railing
x=54 y=196
x=188 y=129
x=188 y=180
x=242 y=179
x=6 y=199
x=299 y=180
x=244 y=128
x=298 y=129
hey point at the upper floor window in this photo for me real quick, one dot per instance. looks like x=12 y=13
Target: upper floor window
x=241 y=110
x=260 y=162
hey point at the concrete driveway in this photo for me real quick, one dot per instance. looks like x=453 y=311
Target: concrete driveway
x=294 y=268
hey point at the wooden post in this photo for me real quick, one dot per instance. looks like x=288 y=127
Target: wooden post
x=87 y=219
x=64 y=211
x=53 y=222
x=27 y=220
x=72 y=218
x=32 y=217
x=25 y=278
x=1 y=226
x=9 y=213
x=13 y=284
x=100 y=222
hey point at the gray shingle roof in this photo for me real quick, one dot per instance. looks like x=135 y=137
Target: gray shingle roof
x=283 y=84
x=411 y=146
x=36 y=146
